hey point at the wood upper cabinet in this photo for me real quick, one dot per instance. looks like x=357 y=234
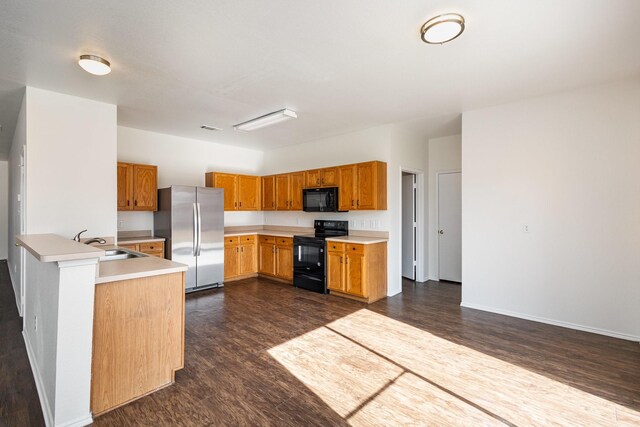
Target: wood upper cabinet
x=268 y=193
x=327 y=177
x=289 y=191
x=137 y=187
x=357 y=270
x=296 y=184
x=347 y=190
x=125 y=186
x=241 y=192
x=362 y=186
x=282 y=192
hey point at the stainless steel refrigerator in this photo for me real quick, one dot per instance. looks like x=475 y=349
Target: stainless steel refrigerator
x=192 y=221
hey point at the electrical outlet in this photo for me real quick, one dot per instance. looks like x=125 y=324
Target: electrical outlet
x=377 y=224
x=362 y=224
x=372 y=224
x=120 y=223
x=35 y=322
x=525 y=228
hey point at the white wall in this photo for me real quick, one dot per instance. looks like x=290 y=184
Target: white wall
x=445 y=154
x=15 y=254
x=184 y=161
x=70 y=165
x=566 y=165
x=4 y=212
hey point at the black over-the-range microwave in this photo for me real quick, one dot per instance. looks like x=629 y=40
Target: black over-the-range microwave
x=320 y=199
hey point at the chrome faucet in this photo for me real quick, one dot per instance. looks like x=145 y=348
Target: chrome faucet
x=95 y=240
x=77 y=236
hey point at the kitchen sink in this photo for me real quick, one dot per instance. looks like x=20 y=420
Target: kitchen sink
x=118 y=254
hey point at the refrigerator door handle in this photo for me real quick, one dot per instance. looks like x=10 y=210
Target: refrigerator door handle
x=195 y=230
x=199 y=229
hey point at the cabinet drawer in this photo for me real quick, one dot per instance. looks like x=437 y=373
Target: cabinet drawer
x=152 y=247
x=267 y=239
x=355 y=249
x=284 y=241
x=133 y=246
x=158 y=254
x=335 y=247
x=231 y=241
x=248 y=239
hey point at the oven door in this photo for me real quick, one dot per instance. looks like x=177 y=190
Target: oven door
x=308 y=264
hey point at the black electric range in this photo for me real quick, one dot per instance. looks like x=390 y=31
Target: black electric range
x=309 y=254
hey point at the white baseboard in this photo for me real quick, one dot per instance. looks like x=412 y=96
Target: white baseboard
x=46 y=409
x=553 y=322
x=80 y=422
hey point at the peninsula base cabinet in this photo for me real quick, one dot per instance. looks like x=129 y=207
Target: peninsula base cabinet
x=357 y=271
x=138 y=338
x=254 y=255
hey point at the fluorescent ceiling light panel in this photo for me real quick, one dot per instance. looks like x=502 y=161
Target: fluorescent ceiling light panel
x=266 y=120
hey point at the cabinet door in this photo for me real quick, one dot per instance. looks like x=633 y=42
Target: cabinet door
x=125 y=186
x=268 y=193
x=267 y=259
x=248 y=259
x=248 y=193
x=366 y=197
x=335 y=271
x=347 y=187
x=145 y=188
x=229 y=183
x=355 y=274
x=329 y=177
x=296 y=183
x=282 y=192
x=312 y=178
x=284 y=267
x=230 y=261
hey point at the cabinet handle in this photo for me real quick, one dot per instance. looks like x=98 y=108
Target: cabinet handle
x=273 y=204
x=340 y=260
x=235 y=204
x=237 y=250
x=135 y=203
x=353 y=203
x=358 y=202
x=240 y=204
x=128 y=202
x=242 y=249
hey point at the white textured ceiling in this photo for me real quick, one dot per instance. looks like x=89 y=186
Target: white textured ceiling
x=342 y=65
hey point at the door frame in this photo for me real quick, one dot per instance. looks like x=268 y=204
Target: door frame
x=437 y=254
x=421 y=275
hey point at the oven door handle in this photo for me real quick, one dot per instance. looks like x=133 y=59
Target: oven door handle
x=299 y=253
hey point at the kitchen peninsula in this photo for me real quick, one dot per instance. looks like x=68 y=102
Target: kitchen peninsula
x=99 y=333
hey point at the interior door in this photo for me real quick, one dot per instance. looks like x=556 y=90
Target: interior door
x=211 y=246
x=450 y=226
x=408 y=226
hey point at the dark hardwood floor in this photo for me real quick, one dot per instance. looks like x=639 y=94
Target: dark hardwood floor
x=250 y=351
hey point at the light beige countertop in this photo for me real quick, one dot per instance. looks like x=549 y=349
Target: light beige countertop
x=357 y=239
x=263 y=233
x=52 y=248
x=142 y=239
x=133 y=268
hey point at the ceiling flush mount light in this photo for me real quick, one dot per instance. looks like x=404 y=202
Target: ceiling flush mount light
x=94 y=64
x=266 y=120
x=442 y=28
x=207 y=127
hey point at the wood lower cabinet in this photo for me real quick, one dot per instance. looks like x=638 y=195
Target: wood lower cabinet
x=240 y=257
x=357 y=271
x=137 y=187
x=149 y=248
x=241 y=192
x=138 y=338
x=276 y=257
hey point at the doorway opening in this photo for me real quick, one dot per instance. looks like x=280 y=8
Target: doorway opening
x=449 y=238
x=412 y=218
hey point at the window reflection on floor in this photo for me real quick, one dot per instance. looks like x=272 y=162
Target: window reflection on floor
x=373 y=370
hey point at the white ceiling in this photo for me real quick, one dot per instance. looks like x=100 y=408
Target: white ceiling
x=342 y=65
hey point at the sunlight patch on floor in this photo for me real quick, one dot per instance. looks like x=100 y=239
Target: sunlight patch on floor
x=373 y=370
